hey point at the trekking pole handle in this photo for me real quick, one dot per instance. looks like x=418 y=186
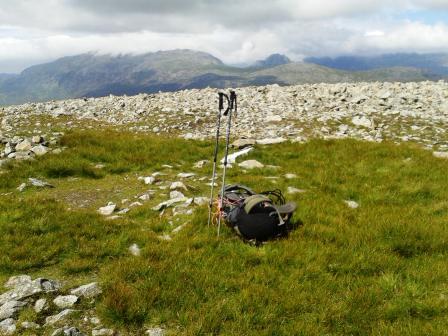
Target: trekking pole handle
x=233 y=101
x=221 y=102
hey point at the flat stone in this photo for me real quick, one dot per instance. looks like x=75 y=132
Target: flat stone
x=88 y=291
x=352 y=204
x=107 y=210
x=59 y=317
x=18 y=280
x=231 y=159
x=134 y=250
x=177 y=185
x=176 y=194
x=441 y=155
x=37 y=139
x=39 y=183
x=251 y=164
x=40 y=150
x=169 y=203
x=40 y=305
x=243 y=143
x=66 y=301
x=362 y=121
x=10 y=308
x=290 y=176
x=102 y=332
x=21 y=187
x=24 y=146
x=8 y=326
x=273 y=119
x=293 y=190
x=148 y=180
x=271 y=141
x=186 y=175
x=29 y=325
x=200 y=201
x=201 y=164
x=155 y=332
x=24 y=290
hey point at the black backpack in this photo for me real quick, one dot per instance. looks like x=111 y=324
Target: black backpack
x=257 y=217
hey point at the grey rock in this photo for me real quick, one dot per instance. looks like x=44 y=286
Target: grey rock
x=271 y=141
x=66 y=301
x=178 y=185
x=8 y=326
x=88 y=291
x=29 y=325
x=200 y=164
x=231 y=159
x=24 y=289
x=37 y=139
x=293 y=190
x=40 y=305
x=169 y=203
x=108 y=209
x=24 y=146
x=135 y=250
x=251 y=164
x=59 y=317
x=352 y=204
x=243 y=143
x=441 y=155
x=18 y=280
x=10 y=308
x=148 y=180
x=362 y=121
x=290 y=176
x=102 y=332
x=40 y=150
x=176 y=194
x=186 y=175
x=200 y=201
x=39 y=183
x=21 y=187
x=67 y=331
x=155 y=332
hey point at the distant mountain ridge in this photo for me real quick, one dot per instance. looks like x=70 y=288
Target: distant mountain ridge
x=91 y=75
x=434 y=65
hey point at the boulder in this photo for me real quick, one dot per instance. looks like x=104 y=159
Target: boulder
x=243 y=143
x=40 y=150
x=251 y=164
x=59 y=317
x=441 y=155
x=24 y=146
x=88 y=291
x=107 y=210
x=66 y=301
x=271 y=141
x=8 y=326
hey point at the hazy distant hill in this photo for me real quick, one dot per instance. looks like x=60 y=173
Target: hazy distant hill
x=272 y=61
x=91 y=75
x=433 y=65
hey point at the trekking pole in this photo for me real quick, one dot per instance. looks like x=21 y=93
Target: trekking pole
x=218 y=126
x=232 y=106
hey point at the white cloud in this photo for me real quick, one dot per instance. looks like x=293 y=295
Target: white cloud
x=236 y=31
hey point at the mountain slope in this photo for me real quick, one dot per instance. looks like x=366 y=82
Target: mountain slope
x=91 y=75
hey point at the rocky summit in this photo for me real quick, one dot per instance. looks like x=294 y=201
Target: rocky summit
x=416 y=112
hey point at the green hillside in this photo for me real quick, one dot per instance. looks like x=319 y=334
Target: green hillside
x=379 y=269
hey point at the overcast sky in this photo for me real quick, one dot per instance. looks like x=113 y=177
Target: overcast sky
x=237 y=31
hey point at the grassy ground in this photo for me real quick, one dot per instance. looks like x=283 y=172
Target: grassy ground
x=377 y=270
